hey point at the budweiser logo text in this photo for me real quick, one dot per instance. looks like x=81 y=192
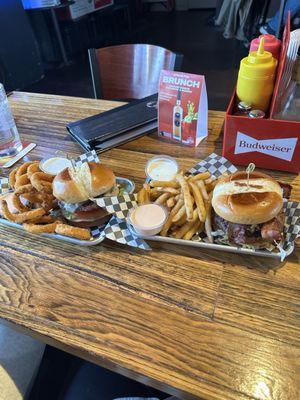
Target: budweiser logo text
x=279 y=148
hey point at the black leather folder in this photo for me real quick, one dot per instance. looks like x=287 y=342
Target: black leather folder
x=114 y=127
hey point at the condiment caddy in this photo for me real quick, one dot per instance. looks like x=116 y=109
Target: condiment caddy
x=268 y=142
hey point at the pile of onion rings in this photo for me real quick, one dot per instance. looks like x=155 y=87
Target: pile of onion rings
x=32 y=203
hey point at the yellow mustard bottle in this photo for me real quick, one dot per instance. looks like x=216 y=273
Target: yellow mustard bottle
x=256 y=78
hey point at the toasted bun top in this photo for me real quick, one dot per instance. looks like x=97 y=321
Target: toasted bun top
x=236 y=201
x=82 y=183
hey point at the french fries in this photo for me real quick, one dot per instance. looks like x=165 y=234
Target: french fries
x=171 y=202
x=169 y=221
x=193 y=230
x=143 y=197
x=162 y=198
x=199 y=201
x=202 y=175
x=188 y=199
x=202 y=187
x=172 y=184
x=181 y=212
x=186 y=196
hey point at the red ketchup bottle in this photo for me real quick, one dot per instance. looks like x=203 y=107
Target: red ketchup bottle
x=272 y=44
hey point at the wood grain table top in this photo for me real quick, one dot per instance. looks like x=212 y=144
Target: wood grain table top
x=197 y=324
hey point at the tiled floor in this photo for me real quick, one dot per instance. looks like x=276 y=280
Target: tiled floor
x=203 y=46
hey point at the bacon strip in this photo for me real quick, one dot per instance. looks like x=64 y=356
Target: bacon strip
x=273 y=229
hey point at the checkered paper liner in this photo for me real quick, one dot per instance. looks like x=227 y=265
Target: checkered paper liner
x=215 y=164
x=91 y=156
x=117 y=205
x=4 y=185
x=117 y=229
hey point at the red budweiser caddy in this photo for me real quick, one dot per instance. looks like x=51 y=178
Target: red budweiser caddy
x=268 y=143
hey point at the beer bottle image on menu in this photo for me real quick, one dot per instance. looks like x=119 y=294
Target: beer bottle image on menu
x=177 y=117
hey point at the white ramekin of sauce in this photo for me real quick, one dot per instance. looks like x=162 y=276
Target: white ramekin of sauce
x=54 y=165
x=161 y=168
x=147 y=219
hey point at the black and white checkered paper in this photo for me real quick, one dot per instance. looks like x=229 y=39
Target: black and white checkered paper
x=118 y=205
x=292 y=223
x=117 y=228
x=215 y=164
x=4 y=185
x=91 y=156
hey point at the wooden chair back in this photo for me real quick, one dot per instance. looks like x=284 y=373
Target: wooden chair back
x=129 y=71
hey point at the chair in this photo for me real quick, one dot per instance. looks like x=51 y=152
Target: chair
x=129 y=71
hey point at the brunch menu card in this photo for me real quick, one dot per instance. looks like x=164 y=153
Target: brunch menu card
x=182 y=111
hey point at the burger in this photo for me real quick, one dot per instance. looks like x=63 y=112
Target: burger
x=248 y=212
x=75 y=186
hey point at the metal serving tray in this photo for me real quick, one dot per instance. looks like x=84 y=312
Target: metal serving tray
x=126 y=183
x=68 y=239
x=219 y=247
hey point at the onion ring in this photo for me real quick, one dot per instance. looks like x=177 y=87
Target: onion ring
x=23 y=217
x=21 y=181
x=43 y=176
x=35 y=228
x=24 y=189
x=42 y=181
x=46 y=200
x=23 y=168
x=17 y=203
x=34 y=167
x=73 y=231
x=12 y=178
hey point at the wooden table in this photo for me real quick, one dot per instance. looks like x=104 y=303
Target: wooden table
x=198 y=325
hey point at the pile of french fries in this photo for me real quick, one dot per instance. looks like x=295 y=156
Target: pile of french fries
x=188 y=199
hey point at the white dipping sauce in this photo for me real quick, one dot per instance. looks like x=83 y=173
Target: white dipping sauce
x=162 y=169
x=54 y=165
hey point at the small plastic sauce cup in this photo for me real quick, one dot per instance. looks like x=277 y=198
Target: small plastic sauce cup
x=161 y=168
x=54 y=165
x=148 y=219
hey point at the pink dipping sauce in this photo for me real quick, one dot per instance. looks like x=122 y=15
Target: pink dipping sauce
x=148 y=219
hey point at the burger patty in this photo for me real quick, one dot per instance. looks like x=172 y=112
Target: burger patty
x=240 y=234
x=85 y=214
